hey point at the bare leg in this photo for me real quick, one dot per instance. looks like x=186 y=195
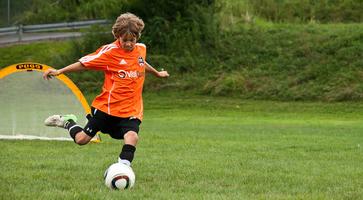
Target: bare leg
x=131 y=138
x=82 y=138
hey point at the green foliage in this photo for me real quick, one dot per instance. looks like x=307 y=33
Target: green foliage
x=166 y=12
x=50 y=11
x=94 y=38
x=294 y=11
x=46 y=11
x=173 y=24
x=14 y=10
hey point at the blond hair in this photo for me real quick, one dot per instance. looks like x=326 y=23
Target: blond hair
x=127 y=23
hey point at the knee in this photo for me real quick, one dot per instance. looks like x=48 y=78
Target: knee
x=82 y=139
x=131 y=137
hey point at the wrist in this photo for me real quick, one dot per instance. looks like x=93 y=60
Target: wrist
x=59 y=72
x=158 y=74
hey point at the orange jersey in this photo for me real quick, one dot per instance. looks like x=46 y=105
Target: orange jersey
x=124 y=78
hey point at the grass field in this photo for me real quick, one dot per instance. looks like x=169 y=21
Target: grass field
x=195 y=147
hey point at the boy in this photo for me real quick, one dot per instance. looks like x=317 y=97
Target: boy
x=118 y=110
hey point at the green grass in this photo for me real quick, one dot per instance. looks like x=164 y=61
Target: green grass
x=195 y=147
x=49 y=52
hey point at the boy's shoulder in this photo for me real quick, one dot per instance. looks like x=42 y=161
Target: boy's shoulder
x=141 y=45
x=141 y=48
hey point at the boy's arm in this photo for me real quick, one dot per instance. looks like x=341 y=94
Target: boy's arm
x=77 y=66
x=161 y=74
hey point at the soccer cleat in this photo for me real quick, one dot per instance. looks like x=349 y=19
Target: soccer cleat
x=59 y=120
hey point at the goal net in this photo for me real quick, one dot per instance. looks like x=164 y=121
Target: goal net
x=26 y=100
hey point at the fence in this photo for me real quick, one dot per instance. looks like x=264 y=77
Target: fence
x=19 y=31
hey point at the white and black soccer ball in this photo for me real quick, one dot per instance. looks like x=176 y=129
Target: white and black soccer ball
x=119 y=177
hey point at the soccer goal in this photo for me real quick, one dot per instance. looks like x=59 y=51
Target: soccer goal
x=26 y=100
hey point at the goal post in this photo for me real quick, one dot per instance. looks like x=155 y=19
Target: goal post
x=26 y=100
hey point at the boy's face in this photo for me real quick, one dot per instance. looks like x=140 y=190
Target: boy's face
x=128 y=41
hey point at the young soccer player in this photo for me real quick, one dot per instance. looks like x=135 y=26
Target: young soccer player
x=118 y=110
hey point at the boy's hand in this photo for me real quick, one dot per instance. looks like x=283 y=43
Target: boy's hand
x=50 y=73
x=163 y=74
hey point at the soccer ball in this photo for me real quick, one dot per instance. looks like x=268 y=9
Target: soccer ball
x=119 y=176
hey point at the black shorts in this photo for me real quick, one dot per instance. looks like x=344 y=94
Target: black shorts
x=116 y=127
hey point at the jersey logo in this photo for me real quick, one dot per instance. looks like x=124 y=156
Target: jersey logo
x=123 y=62
x=141 y=61
x=130 y=74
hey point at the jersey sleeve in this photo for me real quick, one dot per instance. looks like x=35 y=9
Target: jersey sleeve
x=97 y=60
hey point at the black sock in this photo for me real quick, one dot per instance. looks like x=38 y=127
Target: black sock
x=127 y=152
x=72 y=128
